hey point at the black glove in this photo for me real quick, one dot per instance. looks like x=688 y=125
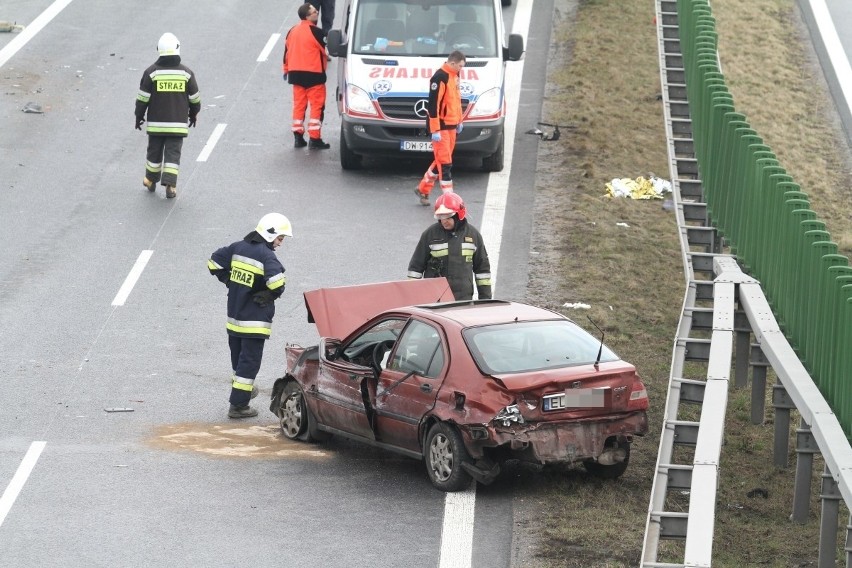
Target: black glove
x=192 y=120
x=139 y=122
x=264 y=297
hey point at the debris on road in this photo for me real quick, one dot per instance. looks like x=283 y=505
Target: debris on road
x=9 y=27
x=32 y=108
x=118 y=409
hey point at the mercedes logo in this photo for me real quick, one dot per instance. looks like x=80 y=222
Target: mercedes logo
x=420 y=108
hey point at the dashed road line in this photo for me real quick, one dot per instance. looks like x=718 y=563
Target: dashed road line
x=20 y=477
x=131 y=279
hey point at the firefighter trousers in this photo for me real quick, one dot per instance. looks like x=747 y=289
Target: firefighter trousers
x=246 y=354
x=302 y=98
x=163 y=159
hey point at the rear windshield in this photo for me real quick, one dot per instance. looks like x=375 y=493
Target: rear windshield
x=533 y=346
x=426 y=27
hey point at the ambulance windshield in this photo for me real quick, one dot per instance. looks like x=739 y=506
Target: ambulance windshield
x=426 y=27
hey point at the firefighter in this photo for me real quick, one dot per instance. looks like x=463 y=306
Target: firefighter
x=304 y=65
x=444 y=122
x=168 y=94
x=255 y=279
x=453 y=247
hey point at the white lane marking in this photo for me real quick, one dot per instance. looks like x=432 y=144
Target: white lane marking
x=31 y=30
x=264 y=55
x=211 y=142
x=457 y=534
x=20 y=477
x=498 y=182
x=131 y=279
x=836 y=54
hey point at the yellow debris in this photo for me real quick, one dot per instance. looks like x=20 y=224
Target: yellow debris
x=639 y=188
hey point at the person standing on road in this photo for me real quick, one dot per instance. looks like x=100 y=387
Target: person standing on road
x=168 y=94
x=444 y=122
x=304 y=67
x=453 y=248
x=326 y=10
x=255 y=279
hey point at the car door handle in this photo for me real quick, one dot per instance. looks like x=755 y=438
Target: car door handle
x=426 y=387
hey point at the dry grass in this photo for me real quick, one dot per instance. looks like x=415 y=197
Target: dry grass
x=604 y=79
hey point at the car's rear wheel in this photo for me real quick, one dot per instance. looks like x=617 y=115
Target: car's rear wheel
x=615 y=470
x=294 y=416
x=445 y=454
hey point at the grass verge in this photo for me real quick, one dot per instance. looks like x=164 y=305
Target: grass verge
x=603 y=78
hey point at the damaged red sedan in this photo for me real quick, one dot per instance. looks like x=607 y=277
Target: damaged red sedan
x=463 y=386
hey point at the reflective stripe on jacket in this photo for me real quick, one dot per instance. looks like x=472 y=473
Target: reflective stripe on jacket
x=444 y=105
x=459 y=255
x=248 y=267
x=168 y=92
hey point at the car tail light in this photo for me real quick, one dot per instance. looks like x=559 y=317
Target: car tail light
x=638 y=397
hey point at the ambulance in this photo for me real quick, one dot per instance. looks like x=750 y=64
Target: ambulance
x=388 y=51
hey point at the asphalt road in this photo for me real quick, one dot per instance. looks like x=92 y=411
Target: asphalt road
x=173 y=481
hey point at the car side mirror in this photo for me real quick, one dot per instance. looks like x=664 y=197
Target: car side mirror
x=335 y=44
x=516 y=48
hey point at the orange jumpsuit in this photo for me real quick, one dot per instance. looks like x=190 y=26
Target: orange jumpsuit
x=304 y=64
x=445 y=114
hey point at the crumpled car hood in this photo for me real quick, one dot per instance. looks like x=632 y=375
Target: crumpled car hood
x=339 y=311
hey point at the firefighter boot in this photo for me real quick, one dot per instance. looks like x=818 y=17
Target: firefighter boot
x=300 y=140
x=171 y=191
x=242 y=411
x=150 y=185
x=318 y=144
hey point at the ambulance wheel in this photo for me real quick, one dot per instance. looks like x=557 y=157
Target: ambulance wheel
x=506 y=3
x=494 y=162
x=349 y=160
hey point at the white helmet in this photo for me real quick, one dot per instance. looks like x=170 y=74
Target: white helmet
x=273 y=225
x=168 y=45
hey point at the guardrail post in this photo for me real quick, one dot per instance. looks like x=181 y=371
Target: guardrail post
x=783 y=405
x=806 y=447
x=758 y=384
x=830 y=496
x=743 y=348
x=848 y=546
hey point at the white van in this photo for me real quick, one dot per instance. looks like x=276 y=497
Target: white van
x=389 y=50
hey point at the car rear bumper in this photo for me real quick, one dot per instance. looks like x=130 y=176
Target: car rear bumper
x=380 y=138
x=554 y=442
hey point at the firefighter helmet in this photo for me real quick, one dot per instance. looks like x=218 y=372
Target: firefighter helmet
x=168 y=45
x=449 y=204
x=273 y=225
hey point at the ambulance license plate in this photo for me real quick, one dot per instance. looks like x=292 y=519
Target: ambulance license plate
x=415 y=145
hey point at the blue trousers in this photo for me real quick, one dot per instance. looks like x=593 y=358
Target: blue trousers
x=246 y=354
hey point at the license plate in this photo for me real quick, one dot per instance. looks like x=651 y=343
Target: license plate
x=415 y=145
x=574 y=398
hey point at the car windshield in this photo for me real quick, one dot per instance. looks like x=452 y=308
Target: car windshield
x=426 y=27
x=533 y=346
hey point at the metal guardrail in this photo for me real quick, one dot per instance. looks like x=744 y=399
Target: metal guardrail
x=730 y=307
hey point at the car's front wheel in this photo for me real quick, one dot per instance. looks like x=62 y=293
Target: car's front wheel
x=618 y=449
x=294 y=416
x=445 y=454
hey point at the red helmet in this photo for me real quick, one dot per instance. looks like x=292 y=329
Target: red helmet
x=449 y=204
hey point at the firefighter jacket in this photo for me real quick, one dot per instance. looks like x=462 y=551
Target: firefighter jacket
x=255 y=279
x=169 y=93
x=444 y=105
x=304 y=55
x=459 y=255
